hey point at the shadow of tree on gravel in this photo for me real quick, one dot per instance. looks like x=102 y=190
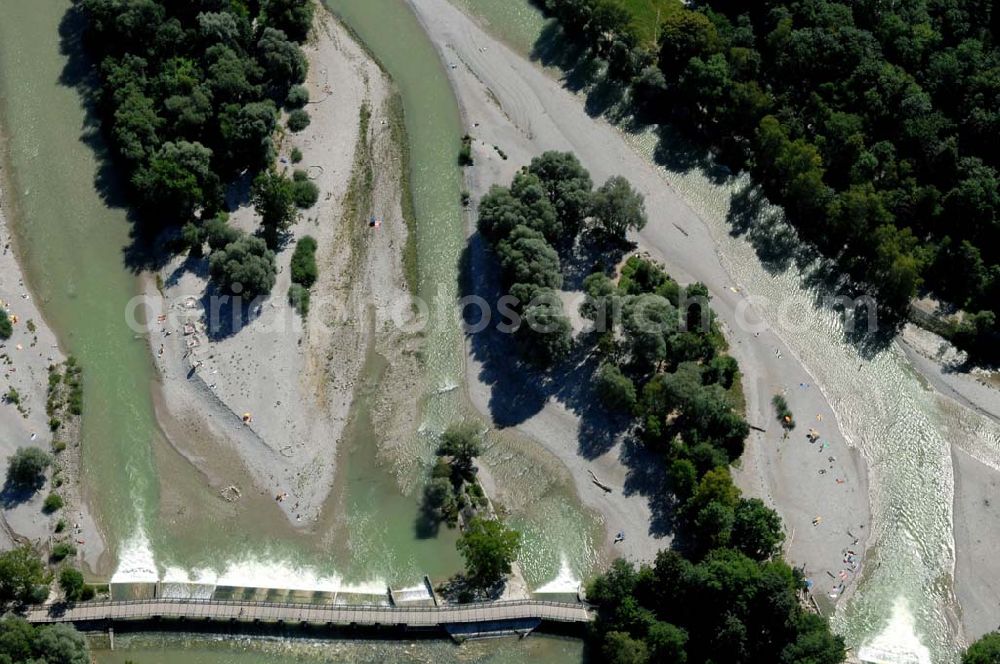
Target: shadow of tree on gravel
x=12 y=495
x=519 y=390
x=779 y=248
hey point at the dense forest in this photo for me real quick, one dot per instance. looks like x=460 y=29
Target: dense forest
x=875 y=126
x=189 y=99
x=659 y=361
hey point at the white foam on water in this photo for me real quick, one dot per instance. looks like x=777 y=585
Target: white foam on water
x=179 y=583
x=898 y=643
x=203 y=576
x=286 y=576
x=136 y=563
x=565 y=581
x=412 y=593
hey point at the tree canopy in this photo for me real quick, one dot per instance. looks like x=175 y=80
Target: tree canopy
x=54 y=644
x=244 y=267
x=463 y=443
x=190 y=91
x=273 y=198
x=984 y=651
x=617 y=208
x=26 y=468
x=22 y=576
x=489 y=549
x=875 y=127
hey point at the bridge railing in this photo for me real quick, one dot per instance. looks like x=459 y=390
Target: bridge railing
x=328 y=605
x=255 y=610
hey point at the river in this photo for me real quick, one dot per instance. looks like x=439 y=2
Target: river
x=73 y=246
x=904 y=429
x=72 y=249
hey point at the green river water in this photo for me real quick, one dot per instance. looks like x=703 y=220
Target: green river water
x=71 y=244
x=71 y=237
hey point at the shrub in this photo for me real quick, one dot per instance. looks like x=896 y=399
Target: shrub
x=297 y=120
x=53 y=503
x=305 y=193
x=58 y=446
x=54 y=423
x=71 y=582
x=60 y=525
x=62 y=550
x=784 y=412
x=465 y=152
x=6 y=329
x=303 y=264
x=295 y=155
x=26 y=469
x=21 y=574
x=297 y=97
x=247 y=262
x=13 y=396
x=298 y=297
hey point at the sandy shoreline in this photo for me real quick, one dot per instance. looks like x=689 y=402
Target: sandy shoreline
x=26 y=358
x=507 y=101
x=515 y=104
x=297 y=379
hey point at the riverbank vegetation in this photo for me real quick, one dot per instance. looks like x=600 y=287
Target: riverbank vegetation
x=304 y=274
x=661 y=360
x=984 y=651
x=661 y=370
x=489 y=549
x=190 y=97
x=723 y=593
x=24 y=578
x=21 y=641
x=529 y=224
x=875 y=128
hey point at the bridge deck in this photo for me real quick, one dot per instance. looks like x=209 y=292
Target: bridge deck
x=225 y=610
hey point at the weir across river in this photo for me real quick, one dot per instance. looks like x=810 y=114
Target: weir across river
x=458 y=620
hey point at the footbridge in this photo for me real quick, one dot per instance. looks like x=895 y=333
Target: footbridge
x=459 y=620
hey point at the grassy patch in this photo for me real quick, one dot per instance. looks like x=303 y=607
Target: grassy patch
x=647 y=16
x=357 y=200
x=397 y=123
